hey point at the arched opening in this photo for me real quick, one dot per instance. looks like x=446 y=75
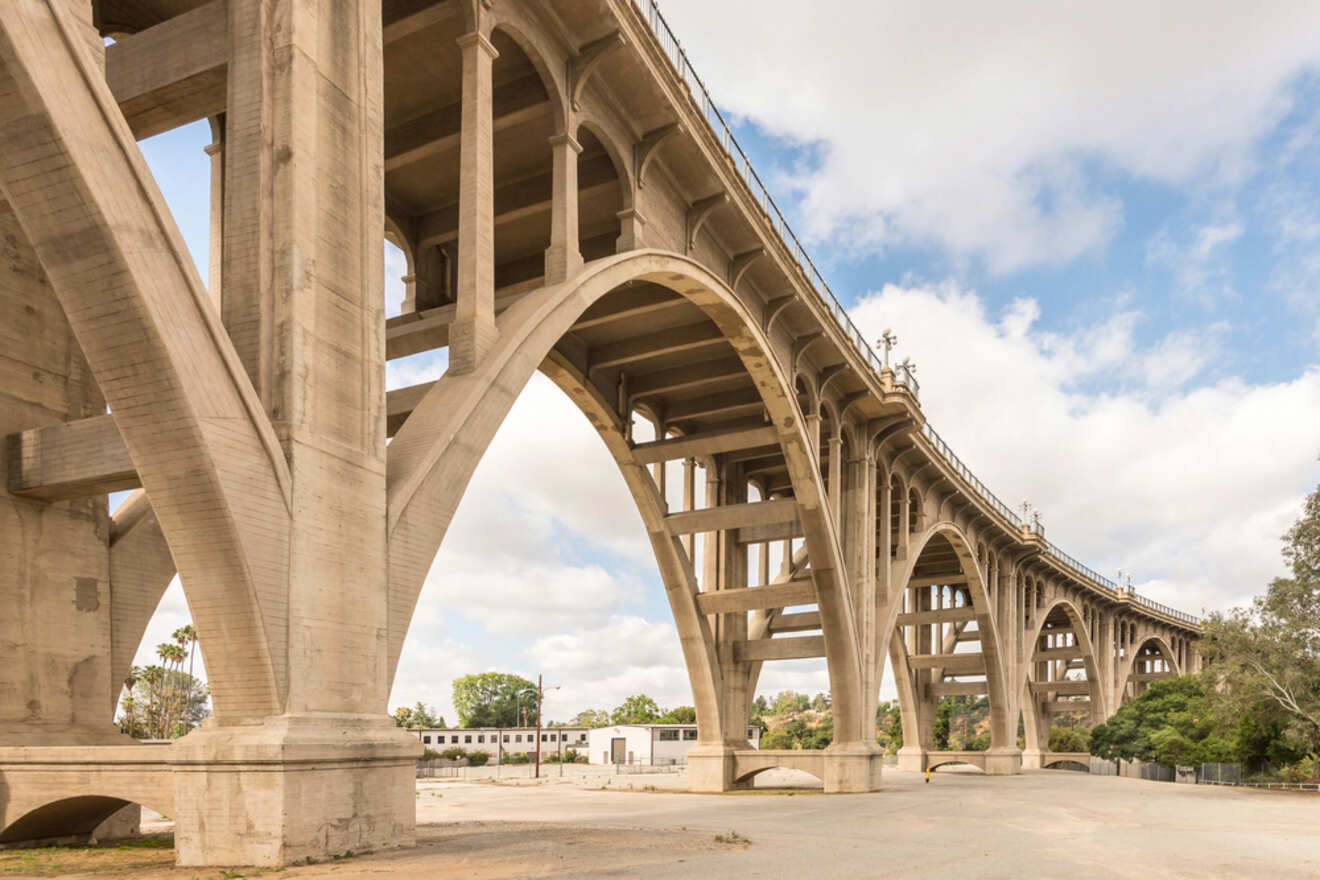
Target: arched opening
x=1152 y=660
x=945 y=653
x=915 y=513
x=780 y=776
x=80 y=819
x=1063 y=694
x=613 y=357
x=600 y=197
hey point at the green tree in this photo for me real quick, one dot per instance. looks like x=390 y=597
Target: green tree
x=679 y=715
x=820 y=702
x=591 y=718
x=789 y=702
x=1173 y=721
x=637 y=709
x=940 y=733
x=1273 y=647
x=1069 y=739
x=493 y=699
x=420 y=716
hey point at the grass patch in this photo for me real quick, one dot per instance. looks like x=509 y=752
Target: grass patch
x=732 y=837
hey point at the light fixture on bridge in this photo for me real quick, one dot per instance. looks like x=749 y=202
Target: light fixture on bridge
x=888 y=339
x=908 y=367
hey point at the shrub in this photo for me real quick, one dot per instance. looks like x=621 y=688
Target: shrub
x=453 y=754
x=477 y=759
x=516 y=758
x=571 y=756
x=429 y=754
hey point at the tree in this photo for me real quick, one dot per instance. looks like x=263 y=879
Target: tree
x=1173 y=721
x=679 y=715
x=1069 y=739
x=820 y=702
x=493 y=699
x=637 y=709
x=420 y=716
x=1273 y=647
x=789 y=702
x=591 y=718
x=940 y=733
x=160 y=703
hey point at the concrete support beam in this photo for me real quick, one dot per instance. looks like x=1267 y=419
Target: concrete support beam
x=706 y=443
x=801 y=621
x=1058 y=707
x=1069 y=653
x=724 y=403
x=952 y=664
x=689 y=337
x=732 y=516
x=1063 y=688
x=171 y=74
x=943 y=581
x=70 y=460
x=939 y=615
x=794 y=648
x=770 y=532
x=958 y=688
x=474 y=331
x=782 y=595
x=690 y=377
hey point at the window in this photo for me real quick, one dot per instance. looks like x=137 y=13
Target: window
x=543 y=738
x=481 y=737
x=751 y=732
x=426 y=739
x=467 y=737
x=454 y=739
x=506 y=737
x=690 y=733
x=669 y=736
x=517 y=737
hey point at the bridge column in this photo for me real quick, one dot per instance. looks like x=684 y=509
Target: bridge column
x=473 y=331
x=563 y=259
x=325 y=771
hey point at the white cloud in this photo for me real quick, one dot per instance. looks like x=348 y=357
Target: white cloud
x=980 y=128
x=1189 y=488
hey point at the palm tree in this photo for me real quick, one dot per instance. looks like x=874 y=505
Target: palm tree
x=186 y=638
x=172 y=656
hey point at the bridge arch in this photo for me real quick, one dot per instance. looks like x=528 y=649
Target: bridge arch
x=429 y=467
x=1060 y=618
x=1152 y=652
x=943 y=556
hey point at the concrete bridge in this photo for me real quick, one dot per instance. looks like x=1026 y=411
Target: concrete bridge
x=570 y=201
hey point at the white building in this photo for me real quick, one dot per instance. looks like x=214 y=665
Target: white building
x=657 y=744
x=497 y=741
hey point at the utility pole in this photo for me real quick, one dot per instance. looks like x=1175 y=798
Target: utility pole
x=537 y=741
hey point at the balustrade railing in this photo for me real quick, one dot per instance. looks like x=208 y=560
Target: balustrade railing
x=903 y=375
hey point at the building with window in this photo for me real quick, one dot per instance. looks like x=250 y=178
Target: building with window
x=497 y=741
x=655 y=744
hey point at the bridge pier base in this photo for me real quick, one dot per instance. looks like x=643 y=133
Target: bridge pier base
x=714 y=769
x=852 y=768
x=912 y=759
x=1032 y=759
x=292 y=787
x=1003 y=762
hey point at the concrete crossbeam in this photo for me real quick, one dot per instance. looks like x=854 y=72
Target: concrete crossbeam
x=1064 y=688
x=689 y=337
x=785 y=595
x=958 y=688
x=732 y=516
x=70 y=460
x=705 y=443
x=173 y=73
x=952 y=664
x=940 y=615
x=794 y=648
x=1070 y=652
x=801 y=621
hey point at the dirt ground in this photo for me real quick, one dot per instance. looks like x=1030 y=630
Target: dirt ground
x=960 y=824
x=469 y=850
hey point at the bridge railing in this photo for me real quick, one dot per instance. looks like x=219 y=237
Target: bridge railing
x=903 y=375
x=672 y=48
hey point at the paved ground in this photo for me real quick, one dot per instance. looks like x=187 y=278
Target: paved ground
x=1039 y=824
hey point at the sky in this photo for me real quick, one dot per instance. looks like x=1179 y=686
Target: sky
x=1095 y=229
